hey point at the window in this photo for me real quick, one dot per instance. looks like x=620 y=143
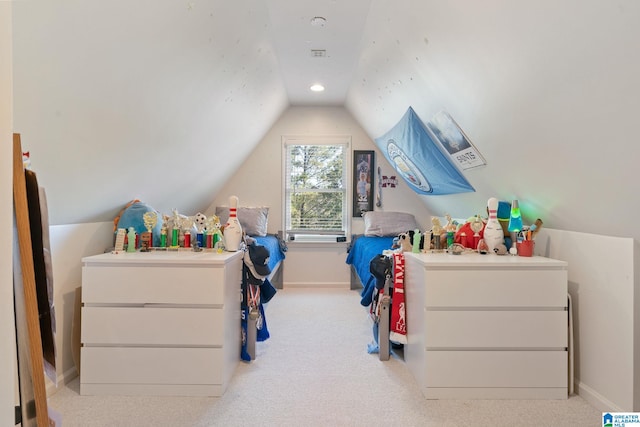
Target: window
x=316 y=187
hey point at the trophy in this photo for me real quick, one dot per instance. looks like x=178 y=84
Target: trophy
x=437 y=232
x=476 y=226
x=185 y=225
x=150 y=220
x=163 y=232
x=211 y=225
x=175 y=229
x=200 y=220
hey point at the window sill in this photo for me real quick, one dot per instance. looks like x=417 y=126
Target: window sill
x=317 y=238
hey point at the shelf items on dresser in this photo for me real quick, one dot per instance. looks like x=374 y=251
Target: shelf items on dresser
x=487 y=326
x=160 y=323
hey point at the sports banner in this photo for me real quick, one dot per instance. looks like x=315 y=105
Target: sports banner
x=412 y=151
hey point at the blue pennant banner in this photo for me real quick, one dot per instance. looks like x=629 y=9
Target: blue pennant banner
x=410 y=148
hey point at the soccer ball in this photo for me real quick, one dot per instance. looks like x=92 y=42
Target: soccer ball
x=200 y=220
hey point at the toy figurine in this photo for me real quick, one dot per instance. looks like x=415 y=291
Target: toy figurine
x=131 y=240
x=436 y=226
x=451 y=224
x=483 y=249
x=416 y=242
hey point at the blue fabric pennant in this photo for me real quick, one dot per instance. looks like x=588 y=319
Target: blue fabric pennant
x=411 y=150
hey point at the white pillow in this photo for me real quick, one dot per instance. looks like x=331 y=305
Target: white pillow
x=380 y=224
x=253 y=220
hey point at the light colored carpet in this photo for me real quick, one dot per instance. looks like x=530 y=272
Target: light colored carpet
x=315 y=371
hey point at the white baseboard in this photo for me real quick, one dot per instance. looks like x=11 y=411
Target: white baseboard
x=597 y=400
x=331 y=285
x=63 y=378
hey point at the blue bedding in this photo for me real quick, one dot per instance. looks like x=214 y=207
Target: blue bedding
x=272 y=243
x=362 y=251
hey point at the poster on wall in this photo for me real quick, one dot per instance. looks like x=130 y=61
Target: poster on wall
x=455 y=142
x=419 y=160
x=363 y=170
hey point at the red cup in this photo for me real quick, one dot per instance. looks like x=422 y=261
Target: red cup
x=525 y=248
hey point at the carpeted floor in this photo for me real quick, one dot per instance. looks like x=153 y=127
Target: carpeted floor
x=315 y=371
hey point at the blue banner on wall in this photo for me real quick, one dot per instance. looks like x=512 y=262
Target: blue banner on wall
x=409 y=147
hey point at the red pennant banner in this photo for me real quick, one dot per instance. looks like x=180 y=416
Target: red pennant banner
x=398 y=325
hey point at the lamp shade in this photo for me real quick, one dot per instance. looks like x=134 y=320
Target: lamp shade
x=515 y=219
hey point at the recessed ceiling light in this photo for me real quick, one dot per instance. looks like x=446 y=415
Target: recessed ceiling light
x=317 y=87
x=318 y=21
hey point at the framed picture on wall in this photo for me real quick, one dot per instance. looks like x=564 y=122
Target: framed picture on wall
x=363 y=172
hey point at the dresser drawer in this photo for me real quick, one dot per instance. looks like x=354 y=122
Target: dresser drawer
x=153 y=326
x=496 y=288
x=140 y=365
x=154 y=284
x=496 y=369
x=495 y=329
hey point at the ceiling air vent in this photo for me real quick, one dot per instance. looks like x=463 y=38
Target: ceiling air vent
x=318 y=53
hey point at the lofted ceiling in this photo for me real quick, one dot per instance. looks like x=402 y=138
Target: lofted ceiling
x=164 y=100
x=317 y=42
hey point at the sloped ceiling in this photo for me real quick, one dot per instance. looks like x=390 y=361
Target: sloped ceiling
x=157 y=100
x=545 y=90
x=163 y=100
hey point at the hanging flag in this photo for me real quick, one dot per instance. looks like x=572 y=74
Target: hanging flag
x=411 y=150
x=389 y=181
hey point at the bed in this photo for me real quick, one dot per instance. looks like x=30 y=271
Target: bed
x=380 y=228
x=277 y=248
x=361 y=252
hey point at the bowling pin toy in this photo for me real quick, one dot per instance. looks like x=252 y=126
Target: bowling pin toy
x=493 y=234
x=232 y=229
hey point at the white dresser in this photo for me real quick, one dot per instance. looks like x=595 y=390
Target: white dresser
x=487 y=326
x=160 y=323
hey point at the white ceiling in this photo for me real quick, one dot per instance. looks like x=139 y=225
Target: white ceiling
x=295 y=36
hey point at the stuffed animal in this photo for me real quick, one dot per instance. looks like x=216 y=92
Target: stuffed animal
x=500 y=249
x=404 y=242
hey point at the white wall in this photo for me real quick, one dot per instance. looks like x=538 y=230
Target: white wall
x=258 y=182
x=69 y=244
x=601 y=284
x=316 y=265
x=7 y=325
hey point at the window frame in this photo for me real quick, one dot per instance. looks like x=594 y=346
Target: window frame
x=316 y=236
